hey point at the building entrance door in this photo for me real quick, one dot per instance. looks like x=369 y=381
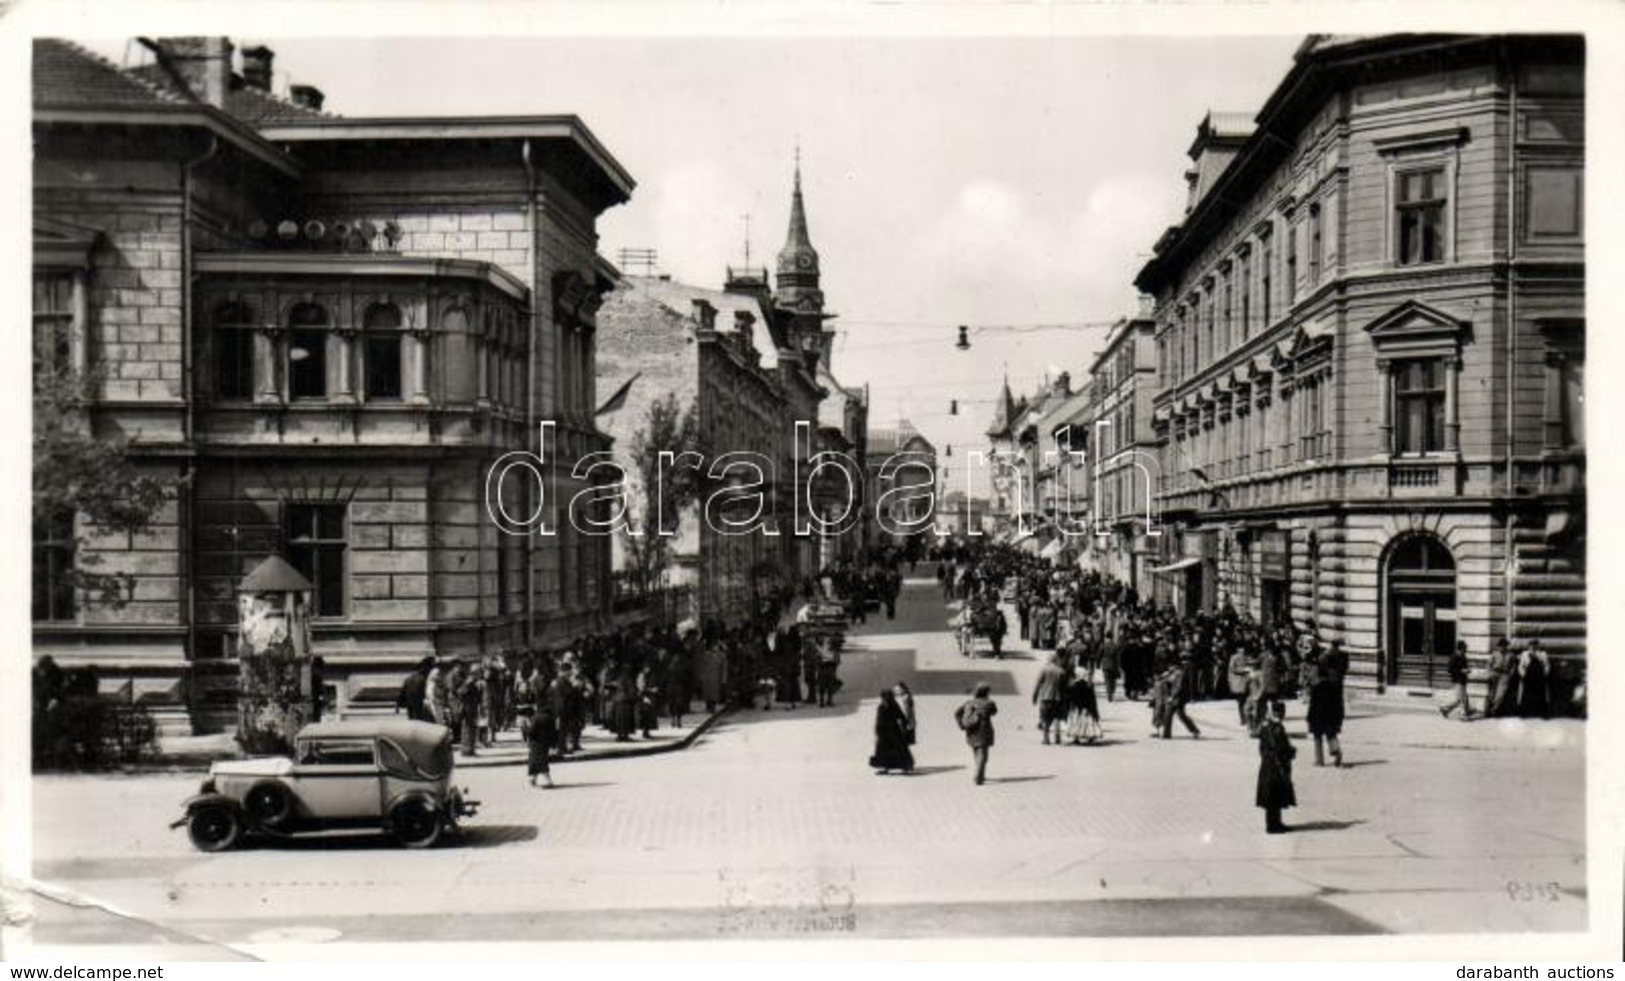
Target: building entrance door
x=1421 y=604
x=1275 y=602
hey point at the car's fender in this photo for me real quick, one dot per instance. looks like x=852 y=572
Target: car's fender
x=198 y=800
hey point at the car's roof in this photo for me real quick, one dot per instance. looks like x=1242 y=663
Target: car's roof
x=401 y=730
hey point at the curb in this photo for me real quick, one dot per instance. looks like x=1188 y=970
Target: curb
x=198 y=763
x=626 y=752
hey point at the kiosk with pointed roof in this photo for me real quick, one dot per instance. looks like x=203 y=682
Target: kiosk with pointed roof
x=276 y=696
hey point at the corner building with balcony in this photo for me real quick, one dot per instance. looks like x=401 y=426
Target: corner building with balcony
x=326 y=330
x=1370 y=338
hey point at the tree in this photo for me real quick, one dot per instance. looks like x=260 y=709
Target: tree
x=79 y=473
x=668 y=428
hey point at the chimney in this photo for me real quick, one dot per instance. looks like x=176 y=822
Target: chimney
x=306 y=96
x=257 y=63
x=1063 y=383
x=203 y=63
x=705 y=315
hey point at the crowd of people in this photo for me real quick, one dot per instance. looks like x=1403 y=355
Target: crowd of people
x=1087 y=626
x=626 y=681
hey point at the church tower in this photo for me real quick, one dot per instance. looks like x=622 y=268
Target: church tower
x=798 y=298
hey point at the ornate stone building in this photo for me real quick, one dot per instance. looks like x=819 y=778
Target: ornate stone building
x=324 y=329
x=1370 y=332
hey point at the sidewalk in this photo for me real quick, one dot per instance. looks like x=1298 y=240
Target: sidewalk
x=197 y=752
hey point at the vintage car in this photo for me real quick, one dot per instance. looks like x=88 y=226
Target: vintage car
x=387 y=774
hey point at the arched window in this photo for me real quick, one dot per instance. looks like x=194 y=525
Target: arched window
x=383 y=352
x=234 y=351
x=307 y=352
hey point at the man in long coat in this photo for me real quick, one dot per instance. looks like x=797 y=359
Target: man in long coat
x=1275 y=752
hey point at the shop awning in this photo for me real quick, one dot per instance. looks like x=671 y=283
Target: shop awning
x=1175 y=566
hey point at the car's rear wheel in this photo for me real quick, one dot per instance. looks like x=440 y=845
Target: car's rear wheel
x=415 y=823
x=268 y=804
x=213 y=827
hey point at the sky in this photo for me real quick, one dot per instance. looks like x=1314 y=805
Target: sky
x=985 y=181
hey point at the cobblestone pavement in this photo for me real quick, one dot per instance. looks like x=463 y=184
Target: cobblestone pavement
x=772 y=826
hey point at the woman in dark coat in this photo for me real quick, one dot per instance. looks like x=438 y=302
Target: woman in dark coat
x=539 y=724
x=1326 y=713
x=1275 y=753
x=891 y=736
x=623 y=705
x=905 y=701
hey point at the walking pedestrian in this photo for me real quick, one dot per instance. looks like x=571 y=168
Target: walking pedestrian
x=1457 y=669
x=1275 y=792
x=1083 y=726
x=975 y=718
x=1049 y=694
x=1182 y=689
x=905 y=700
x=539 y=724
x=891 y=736
x=1326 y=714
x=1236 y=679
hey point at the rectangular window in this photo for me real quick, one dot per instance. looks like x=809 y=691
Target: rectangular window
x=54 y=597
x=1227 y=332
x=53 y=324
x=1266 y=271
x=1420 y=216
x=1292 y=262
x=1419 y=391
x=1246 y=276
x=1314 y=244
x=307 y=363
x=316 y=545
x=383 y=365
x=233 y=338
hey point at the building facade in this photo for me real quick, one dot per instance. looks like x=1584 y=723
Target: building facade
x=900 y=486
x=1123 y=465
x=659 y=338
x=753 y=363
x=321 y=331
x=1370 y=339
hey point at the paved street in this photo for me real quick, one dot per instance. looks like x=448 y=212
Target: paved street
x=771 y=826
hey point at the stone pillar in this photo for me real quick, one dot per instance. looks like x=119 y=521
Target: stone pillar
x=341 y=374
x=417 y=358
x=267 y=346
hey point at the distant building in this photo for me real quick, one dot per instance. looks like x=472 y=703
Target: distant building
x=714 y=352
x=1370 y=330
x=326 y=329
x=960 y=516
x=1123 y=466
x=754 y=362
x=899 y=460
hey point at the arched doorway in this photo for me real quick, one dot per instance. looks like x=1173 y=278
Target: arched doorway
x=1420 y=594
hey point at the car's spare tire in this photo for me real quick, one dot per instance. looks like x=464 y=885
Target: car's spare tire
x=214 y=826
x=415 y=823
x=269 y=805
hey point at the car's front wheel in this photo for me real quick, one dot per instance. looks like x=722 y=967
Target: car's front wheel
x=213 y=827
x=415 y=823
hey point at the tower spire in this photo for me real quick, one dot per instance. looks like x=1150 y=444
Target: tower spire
x=798 y=260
